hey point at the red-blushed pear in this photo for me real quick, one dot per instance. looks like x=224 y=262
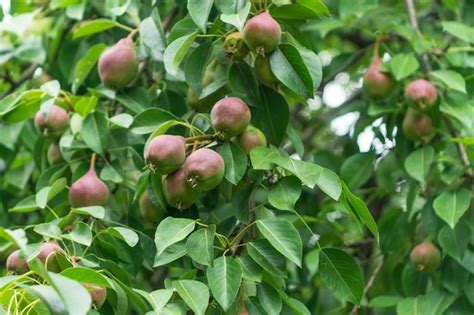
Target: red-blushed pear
x=204 y=169
x=89 y=190
x=149 y=211
x=425 y=256
x=177 y=192
x=54 y=155
x=166 y=153
x=47 y=255
x=98 y=294
x=417 y=126
x=118 y=65
x=264 y=71
x=15 y=264
x=52 y=123
x=230 y=116
x=375 y=82
x=251 y=138
x=235 y=47
x=262 y=33
x=421 y=94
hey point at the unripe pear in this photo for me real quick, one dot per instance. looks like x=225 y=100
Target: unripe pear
x=377 y=83
x=89 y=190
x=98 y=294
x=47 y=255
x=235 y=47
x=262 y=33
x=177 y=192
x=417 y=126
x=251 y=138
x=15 y=264
x=425 y=256
x=118 y=65
x=204 y=169
x=166 y=153
x=52 y=123
x=149 y=211
x=264 y=71
x=230 y=116
x=54 y=155
x=421 y=93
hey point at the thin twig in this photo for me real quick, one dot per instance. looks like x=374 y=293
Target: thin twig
x=414 y=23
x=170 y=17
x=369 y=283
x=25 y=76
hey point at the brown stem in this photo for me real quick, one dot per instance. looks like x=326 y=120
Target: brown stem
x=461 y=149
x=369 y=283
x=93 y=158
x=166 y=24
x=414 y=24
x=25 y=76
x=201 y=138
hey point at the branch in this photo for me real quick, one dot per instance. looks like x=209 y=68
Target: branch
x=414 y=24
x=25 y=76
x=170 y=17
x=461 y=149
x=369 y=283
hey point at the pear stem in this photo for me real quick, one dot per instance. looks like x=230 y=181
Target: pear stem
x=132 y=33
x=93 y=158
x=377 y=47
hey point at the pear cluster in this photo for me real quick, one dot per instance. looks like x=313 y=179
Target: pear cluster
x=47 y=255
x=420 y=95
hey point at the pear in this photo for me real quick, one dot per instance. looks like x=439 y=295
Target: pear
x=204 y=169
x=52 y=123
x=118 y=65
x=421 y=93
x=230 y=117
x=89 y=190
x=251 y=138
x=262 y=33
x=177 y=192
x=166 y=153
x=425 y=256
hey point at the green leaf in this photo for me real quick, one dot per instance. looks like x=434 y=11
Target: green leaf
x=123 y=120
x=383 y=301
x=81 y=233
x=264 y=254
x=160 y=298
x=311 y=261
x=49 y=192
x=48 y=229
x=235 y=161
x=418 y=163
x=435 y=302
x=93 y=27
x=86 y=64
x=458 y=106
x=403 y=65
x=75 y=296
x=459 y=30
x=127 y=235
x=194 y=293
x=358 y=209
x=200 y=245
x=451 y=205
x=454 y=241
x=269 y=299
x=85 y=105
x=271 y=115
x=341 y=274
x=237 y=19
x=94 y=132
x=25 y=205
x=243 y=82
x=151 y=119
x=199 y=11
x=251 y=271
x=224 y=280
x=94 y=211
x=452 y=79
x=172 y=230
x=301 y=10
x=151 y=33
x=284 y=237
x=170 y=254
x=289 y=67
x=86 y=275
x=176 y=51
x=285 y=193
x=357 y=169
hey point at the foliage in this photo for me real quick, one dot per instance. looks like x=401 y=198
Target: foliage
x=282 y=233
